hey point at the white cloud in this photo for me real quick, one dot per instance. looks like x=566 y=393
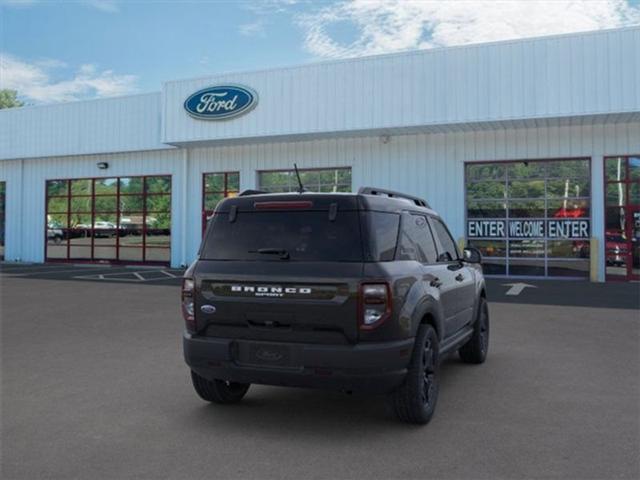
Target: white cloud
x=387 y=26
x=50 y=63
x=252 y=29
x=33 y=81
x=265 y=7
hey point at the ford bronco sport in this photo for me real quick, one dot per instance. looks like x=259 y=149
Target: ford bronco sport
x=361 y=292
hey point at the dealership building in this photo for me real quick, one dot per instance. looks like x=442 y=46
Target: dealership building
x=529 y=149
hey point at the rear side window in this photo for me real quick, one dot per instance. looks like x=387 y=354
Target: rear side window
x=449 y=252
x=304 y=235
x=382 y=235
x=416 y=242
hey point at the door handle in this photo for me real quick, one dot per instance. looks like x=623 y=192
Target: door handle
x=435 y=282
x=459 y=277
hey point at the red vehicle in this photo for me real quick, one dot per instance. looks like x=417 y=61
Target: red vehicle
x=571 y=212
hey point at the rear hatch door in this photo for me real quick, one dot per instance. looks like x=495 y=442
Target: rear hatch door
x=281 y=269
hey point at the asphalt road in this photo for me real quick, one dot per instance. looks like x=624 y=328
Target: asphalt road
x=544 y=292
x=94 y=387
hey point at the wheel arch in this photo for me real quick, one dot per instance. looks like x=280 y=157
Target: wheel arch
x=430 y=313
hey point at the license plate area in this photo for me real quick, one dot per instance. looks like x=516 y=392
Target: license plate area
x=264 y=354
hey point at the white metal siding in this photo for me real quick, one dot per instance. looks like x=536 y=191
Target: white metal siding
x=97 y=126
x=589 y=77
x=428 y=165
x=11 y=173
x=562 y=76
x=26 y=206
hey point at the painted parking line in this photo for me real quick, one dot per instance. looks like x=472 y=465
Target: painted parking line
x=140 y=274
x=22 y=267
x=112 y=277
x=46 y=271
x=135 y=277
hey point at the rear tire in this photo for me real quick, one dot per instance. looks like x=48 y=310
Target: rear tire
x=475 y=350
x=415 y=400
x=218 y=391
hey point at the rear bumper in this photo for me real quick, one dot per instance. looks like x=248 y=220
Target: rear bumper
x=366 y=367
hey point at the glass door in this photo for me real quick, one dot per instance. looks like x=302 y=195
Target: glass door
x=634 y=244
x=118 y=219
x=622 y=218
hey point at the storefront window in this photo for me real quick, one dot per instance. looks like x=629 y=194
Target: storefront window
x=109 y=219
x=216 y=187
x=622 y=217
x=530 y=218
x=314 y=180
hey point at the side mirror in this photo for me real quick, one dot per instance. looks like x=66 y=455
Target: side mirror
x=471 y=255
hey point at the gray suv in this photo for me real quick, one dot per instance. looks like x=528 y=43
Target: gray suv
x=361 y=292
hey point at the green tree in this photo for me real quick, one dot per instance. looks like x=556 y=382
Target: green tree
x=9 y=99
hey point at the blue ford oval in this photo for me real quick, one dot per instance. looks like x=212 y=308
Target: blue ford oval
x=221 y=102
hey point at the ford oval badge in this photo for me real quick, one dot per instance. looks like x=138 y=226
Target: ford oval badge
x=208 y=309
x=221 y=102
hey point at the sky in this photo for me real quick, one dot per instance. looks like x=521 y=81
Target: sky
x=57 y=51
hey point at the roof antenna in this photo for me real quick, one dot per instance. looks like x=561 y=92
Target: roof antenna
x=301 y=186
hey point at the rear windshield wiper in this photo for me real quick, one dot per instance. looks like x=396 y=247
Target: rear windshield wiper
x=284 y=254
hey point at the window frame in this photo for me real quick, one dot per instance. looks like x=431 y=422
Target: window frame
x=93 y=214
x=301 y=170
x=206 y=213
x=627 y=207
x=546 y=177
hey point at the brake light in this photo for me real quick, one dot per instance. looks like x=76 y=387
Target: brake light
x=375 y=305
x=188 y=309
x=282 y=204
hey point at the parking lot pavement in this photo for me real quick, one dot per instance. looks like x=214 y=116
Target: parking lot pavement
x=149 y=275
x=565 y=292
x=546 y=292
x=94 y=387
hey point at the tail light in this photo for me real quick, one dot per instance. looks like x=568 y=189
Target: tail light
x=282 y=204
x=375 y=305
x=188 y=309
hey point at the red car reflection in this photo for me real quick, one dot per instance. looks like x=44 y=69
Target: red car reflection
x=581 y=247
x=571 y=213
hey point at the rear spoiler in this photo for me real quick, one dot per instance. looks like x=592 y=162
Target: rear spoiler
x=421 y=202
x=252 y=192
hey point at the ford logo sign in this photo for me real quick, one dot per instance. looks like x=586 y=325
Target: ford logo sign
x=208 y=309
x=221 y=102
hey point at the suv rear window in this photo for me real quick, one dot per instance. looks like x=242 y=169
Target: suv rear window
x=304 y=235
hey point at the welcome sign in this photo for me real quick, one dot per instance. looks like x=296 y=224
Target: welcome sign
x=569 y=229
x=221 y=102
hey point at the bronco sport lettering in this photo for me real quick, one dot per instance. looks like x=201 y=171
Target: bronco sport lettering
x=274 y=291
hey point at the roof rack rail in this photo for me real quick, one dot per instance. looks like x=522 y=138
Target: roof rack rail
x=391 y=194
x=244 y=193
